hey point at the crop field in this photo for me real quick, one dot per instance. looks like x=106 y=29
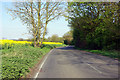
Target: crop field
x=19 y=56
x=6 y=44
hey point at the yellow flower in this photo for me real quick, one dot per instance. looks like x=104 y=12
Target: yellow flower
x=11 y=42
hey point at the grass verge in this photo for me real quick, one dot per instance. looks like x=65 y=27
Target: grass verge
x=110 y=53
x=17 y=61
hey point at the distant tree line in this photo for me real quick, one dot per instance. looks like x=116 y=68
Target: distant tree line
x=22 y=39
x=95 y=25
x=67 y=38
x=54 y=38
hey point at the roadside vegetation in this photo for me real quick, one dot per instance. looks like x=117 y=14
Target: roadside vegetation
x=19 y=56
x=110 y=53
x=95 y=26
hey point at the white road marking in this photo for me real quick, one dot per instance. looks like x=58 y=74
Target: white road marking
x=94 y=68
x=42 y=64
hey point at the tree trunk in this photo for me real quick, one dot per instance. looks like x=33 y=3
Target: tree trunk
x=47 y=4
x=35 y=41
x=39 y=23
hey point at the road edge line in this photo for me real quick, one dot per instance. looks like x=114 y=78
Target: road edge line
x=41 y=65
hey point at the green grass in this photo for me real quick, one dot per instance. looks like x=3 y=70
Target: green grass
x=17 y=61
x=110 y=53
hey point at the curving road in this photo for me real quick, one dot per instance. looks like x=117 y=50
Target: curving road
x=67 y=62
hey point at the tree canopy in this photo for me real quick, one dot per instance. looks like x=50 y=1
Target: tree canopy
x=95 y=24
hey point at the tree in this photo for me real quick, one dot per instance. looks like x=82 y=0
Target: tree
x=68 y=37
x=95 y=25
x=20 y=39
x=55 y=38
x=37 y=15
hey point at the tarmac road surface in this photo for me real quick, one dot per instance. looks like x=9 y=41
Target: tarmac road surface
x=67 y=62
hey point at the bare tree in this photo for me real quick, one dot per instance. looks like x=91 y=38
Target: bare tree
x=37 y=15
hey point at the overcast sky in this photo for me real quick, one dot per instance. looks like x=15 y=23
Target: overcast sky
x=14 y=29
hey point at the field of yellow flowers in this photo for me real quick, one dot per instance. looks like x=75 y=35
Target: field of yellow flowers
x=10 y=43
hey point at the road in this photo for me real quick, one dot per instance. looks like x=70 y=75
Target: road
x=67 y=62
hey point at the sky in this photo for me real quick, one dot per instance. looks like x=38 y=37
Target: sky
x=15 y=29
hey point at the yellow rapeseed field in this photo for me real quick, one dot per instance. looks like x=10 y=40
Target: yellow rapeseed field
x=2 y=42
x=11 y=43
